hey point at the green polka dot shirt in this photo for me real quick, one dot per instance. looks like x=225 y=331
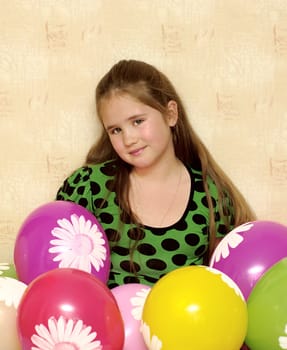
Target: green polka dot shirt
x=159 y=250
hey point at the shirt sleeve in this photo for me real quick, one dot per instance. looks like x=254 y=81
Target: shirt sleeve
x=77 y=188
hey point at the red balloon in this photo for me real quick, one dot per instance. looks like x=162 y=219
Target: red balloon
x=61 y=234
x=69 y=309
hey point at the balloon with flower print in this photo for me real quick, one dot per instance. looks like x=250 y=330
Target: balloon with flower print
x=249 y=250
x=69 y=309
x=8 y=270
x=61 y=234
x=11 y=292
x=131 y=298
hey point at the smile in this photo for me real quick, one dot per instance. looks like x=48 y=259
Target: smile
x=137 y=152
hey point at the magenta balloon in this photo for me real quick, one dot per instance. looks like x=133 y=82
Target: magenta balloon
x=249 y=250
x=130 y=298
x=61 y=234
x=69 y=309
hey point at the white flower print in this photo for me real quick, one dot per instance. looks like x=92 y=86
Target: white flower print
x=231 y=240
x=11 y=291
x=138 y=302
x=283 y=339
x=65 y=335
x=152 y=343
x=4 y=267
x=79 y=244
x=226 y=279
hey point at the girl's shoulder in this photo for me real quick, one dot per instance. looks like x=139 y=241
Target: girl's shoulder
x=97 y=172
x=86 y=182
x=197 y=178
x=196 y=173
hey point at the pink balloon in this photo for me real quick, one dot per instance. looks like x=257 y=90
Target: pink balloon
x=69 y=309
x=249 y=250
x=130 y=298
x=61 y=234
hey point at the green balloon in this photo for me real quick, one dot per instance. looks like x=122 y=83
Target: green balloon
x=267 y=310
x=8 y=270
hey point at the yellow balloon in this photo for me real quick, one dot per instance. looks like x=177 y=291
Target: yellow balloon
x=194 y=307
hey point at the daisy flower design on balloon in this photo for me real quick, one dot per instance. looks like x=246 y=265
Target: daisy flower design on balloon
x=78 y=244
x=4 y=267
x=138 y=303
x=283 y=339
x=152 y=343
x=232 y=240
x=226 y=279
x=65 y=335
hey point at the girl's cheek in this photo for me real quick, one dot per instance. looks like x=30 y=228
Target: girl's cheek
x=117 y=144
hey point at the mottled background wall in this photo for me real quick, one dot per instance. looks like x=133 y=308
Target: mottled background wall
x=228 y=59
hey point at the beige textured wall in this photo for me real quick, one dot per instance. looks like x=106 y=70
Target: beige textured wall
x=228 y=59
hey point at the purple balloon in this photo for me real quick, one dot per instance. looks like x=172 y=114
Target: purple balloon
x=130 y=299
x=249 y=250
x=61 y=234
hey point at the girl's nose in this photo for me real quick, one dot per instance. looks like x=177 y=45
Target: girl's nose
x=129 y=137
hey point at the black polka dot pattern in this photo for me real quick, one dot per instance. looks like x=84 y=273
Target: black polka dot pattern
x=159 y=250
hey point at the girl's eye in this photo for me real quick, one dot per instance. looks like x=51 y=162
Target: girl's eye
x=115 y=131
x=138 y=121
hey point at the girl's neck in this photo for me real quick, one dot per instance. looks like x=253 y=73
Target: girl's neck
x=159 y=197
x=159 y=171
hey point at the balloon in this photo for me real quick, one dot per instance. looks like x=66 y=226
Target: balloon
x=8 y=270
x=11 y=291
x=61 y=234
x=267 y=310
x=249 y=250
x=130 y=298
x=71 y=310
x=194 y=307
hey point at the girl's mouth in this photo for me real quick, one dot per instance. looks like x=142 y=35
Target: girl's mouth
x=137 y=152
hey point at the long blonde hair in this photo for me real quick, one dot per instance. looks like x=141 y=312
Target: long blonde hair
x=151 y=87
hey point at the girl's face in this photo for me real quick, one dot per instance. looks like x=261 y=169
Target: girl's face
x=139 y=134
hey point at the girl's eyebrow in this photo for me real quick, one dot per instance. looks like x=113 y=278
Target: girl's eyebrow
x=132 y=117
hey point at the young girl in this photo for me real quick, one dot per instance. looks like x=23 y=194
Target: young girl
x=154 y=187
